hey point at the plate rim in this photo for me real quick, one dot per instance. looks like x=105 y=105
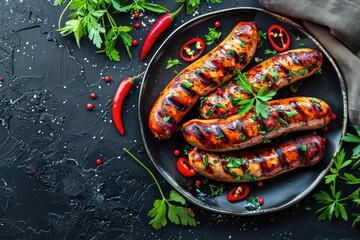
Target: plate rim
x=197 y=202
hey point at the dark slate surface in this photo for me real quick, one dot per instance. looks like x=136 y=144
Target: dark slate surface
x=50 y=186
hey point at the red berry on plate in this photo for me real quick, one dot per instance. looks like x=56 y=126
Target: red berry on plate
x=176 y=152
x=259 y=183
x=90 y=106
x=93 y=95
x=136 y=14
x=135 y=42
x=1 y=79
x=261 y=201
x=98 y=161
x=107 y=78
x=137 y=25
x=217 y=24
x=197 y=182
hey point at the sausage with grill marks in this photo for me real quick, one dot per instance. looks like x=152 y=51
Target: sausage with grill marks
x=275 y=73
x=246 y=130
x=201 y=78
x=244 y=166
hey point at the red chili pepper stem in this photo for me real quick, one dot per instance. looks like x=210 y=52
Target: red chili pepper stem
x=173 y=14
x=118 y=100
x=156 y=30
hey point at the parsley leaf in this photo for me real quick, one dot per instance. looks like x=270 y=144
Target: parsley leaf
x=354 y=139
x=262 y=34
x=164 y=208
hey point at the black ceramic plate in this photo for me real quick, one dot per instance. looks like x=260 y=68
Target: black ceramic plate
x=281 y=191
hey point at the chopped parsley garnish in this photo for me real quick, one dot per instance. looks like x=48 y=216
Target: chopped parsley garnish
x=258 y=59
x=242 y=45
x=243 y=138
x=315 y=100
x=266 y=140
x=291 y=74
x=302 y=72
x=268 y=51
x=216 y=190
x=202 y=101
x=230 y=52
x=319 y=71
x=166 y=118
x=205 y=160
x=260 y=44
x=274 y=74
x=283 y=122
x=263 y=78
x=291 y=114
x=234 y=162
x=206 y=68
x=187 y=84
x=212 y=109
x=172 y=63
x=212 y=36
x=262 y=34
x=303 y=148
x=249 y=177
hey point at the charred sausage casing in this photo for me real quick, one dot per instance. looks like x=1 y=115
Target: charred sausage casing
x=246 y=130
x=244 y=166
x=201 y=78
x=275 y=73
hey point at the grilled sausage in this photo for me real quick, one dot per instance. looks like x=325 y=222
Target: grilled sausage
x=202 y=77
x=275 y=73
x=243 y=166
x=246 y=130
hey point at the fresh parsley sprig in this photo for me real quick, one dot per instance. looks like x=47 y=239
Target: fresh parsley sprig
x=94 y=19
x=164 y=209
x=259 y=99
x=192 y=5
x=334 y=201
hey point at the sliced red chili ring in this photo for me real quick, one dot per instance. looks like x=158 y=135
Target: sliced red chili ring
x=193 y=54
x=184 y=167
x=279 y=38
x=238 y=193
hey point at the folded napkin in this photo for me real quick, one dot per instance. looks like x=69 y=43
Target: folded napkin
x=335 y=23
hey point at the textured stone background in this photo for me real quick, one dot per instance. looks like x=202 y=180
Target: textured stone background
x=50 y=186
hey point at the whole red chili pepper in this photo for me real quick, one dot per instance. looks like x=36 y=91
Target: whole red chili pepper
x=118 y=100
x=156 y=30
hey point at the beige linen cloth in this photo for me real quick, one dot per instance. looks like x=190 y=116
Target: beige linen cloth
x=336 y=24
